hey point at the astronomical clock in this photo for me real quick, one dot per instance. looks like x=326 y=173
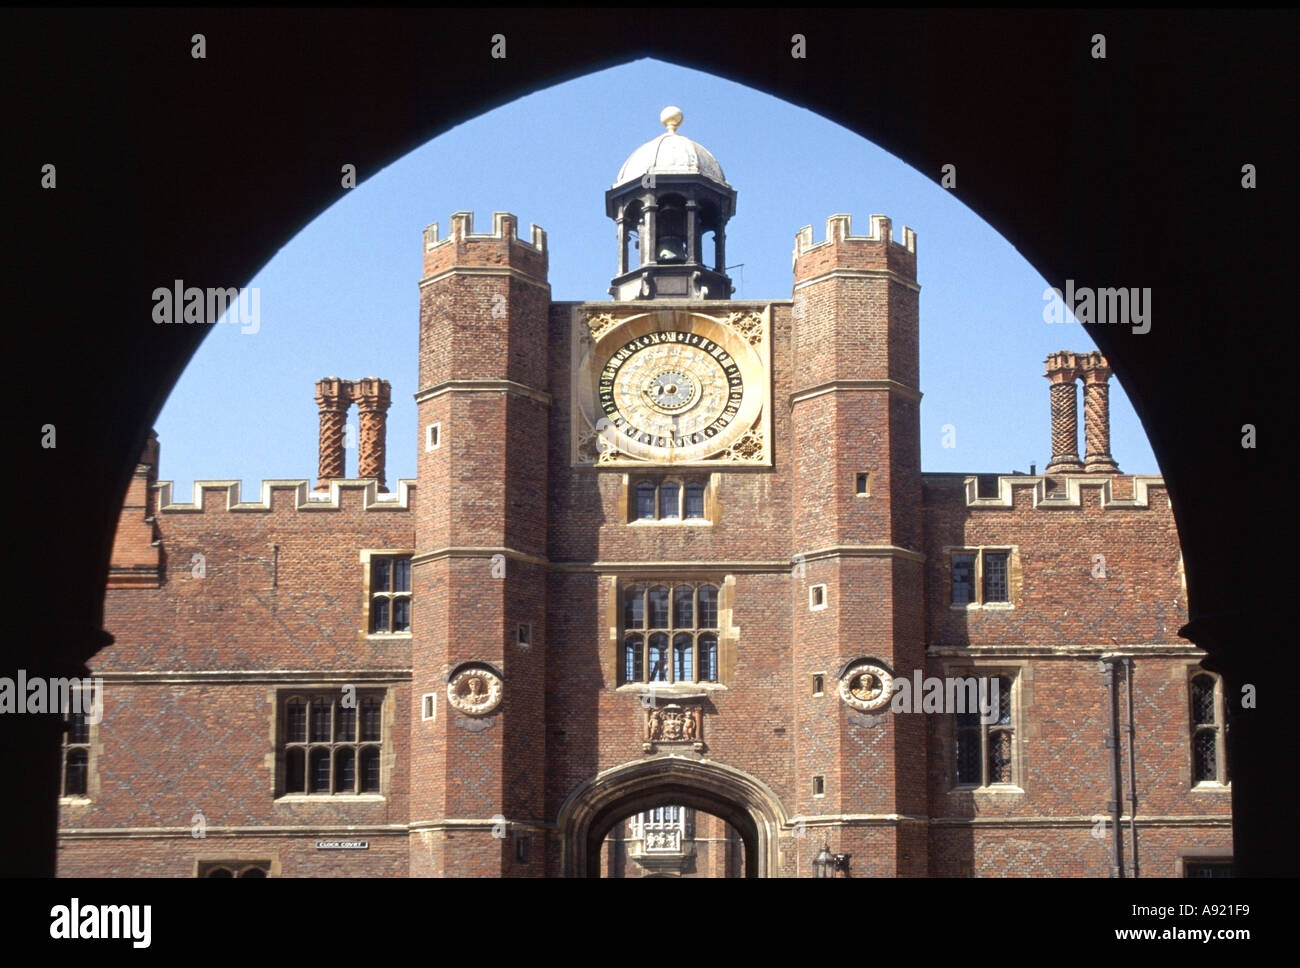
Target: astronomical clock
x=671 y=386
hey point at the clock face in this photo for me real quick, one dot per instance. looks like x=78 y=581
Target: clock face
x=671 y=390
x=670 y=386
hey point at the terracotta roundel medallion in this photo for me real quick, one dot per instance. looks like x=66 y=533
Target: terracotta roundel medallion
x=866 y=687
x=476 y=692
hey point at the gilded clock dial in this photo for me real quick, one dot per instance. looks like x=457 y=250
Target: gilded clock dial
x=672 y=389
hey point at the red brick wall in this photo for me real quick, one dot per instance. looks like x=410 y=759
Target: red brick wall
x=1137 y=607
x=195 y=674
x=136 y=558
x=1139 y=601
x=294 y=854
x=283 y=592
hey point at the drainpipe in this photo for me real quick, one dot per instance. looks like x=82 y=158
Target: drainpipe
x=1132 y=770
x=1112 y=744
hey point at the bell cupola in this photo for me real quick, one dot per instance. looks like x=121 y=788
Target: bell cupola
x=671 y=204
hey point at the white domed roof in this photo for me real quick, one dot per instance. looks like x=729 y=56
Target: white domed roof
x=670 y=154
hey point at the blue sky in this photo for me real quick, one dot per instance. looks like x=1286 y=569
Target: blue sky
x=341 y=298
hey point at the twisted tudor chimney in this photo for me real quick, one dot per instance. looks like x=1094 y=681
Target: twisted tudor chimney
x=1062 y=370
x=333 y=396
x=1096 y=414
x=373 y=396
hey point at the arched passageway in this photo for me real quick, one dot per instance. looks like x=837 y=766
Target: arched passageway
x=742 y=801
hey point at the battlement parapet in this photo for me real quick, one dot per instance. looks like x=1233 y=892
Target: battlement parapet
x=839 y=229
x=465 y=248
x=1071 y=497
x=841 y=250
x=505 y=227
x=303 y=497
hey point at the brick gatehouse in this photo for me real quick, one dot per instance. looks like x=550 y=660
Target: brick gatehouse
x=670 y=595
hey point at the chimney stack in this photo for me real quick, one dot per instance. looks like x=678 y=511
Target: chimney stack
x=373 y=397
x=1062 y=370
x=333 y=397
x=1096 y=414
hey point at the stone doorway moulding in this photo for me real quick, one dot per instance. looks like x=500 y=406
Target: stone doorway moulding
x=741 y=800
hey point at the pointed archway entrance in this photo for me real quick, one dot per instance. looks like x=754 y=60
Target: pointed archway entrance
x=743 y=801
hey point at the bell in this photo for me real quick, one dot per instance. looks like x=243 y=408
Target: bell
x=672 y=248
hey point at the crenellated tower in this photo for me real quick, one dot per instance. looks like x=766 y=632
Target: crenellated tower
x=857 y=542
x=478 y=644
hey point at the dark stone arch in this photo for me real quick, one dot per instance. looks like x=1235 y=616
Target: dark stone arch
x=743 y=801
x=152 y=197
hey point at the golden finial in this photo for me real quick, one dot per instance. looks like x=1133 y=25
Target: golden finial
x=670 y=117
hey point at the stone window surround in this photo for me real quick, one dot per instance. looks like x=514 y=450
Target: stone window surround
x=631 y=481
x=366 y=555
x=1194 y=855
x=657 y=820
x=1021 y=700
x=728 y=634
x=278 y=697
x=1221 y=744
x=94 y=748
x=204 y=865
x=670 y=632
x=1014 y=577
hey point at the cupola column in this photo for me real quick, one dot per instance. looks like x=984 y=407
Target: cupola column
x=691 y=234
x=649 y=244
x=622 y=241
